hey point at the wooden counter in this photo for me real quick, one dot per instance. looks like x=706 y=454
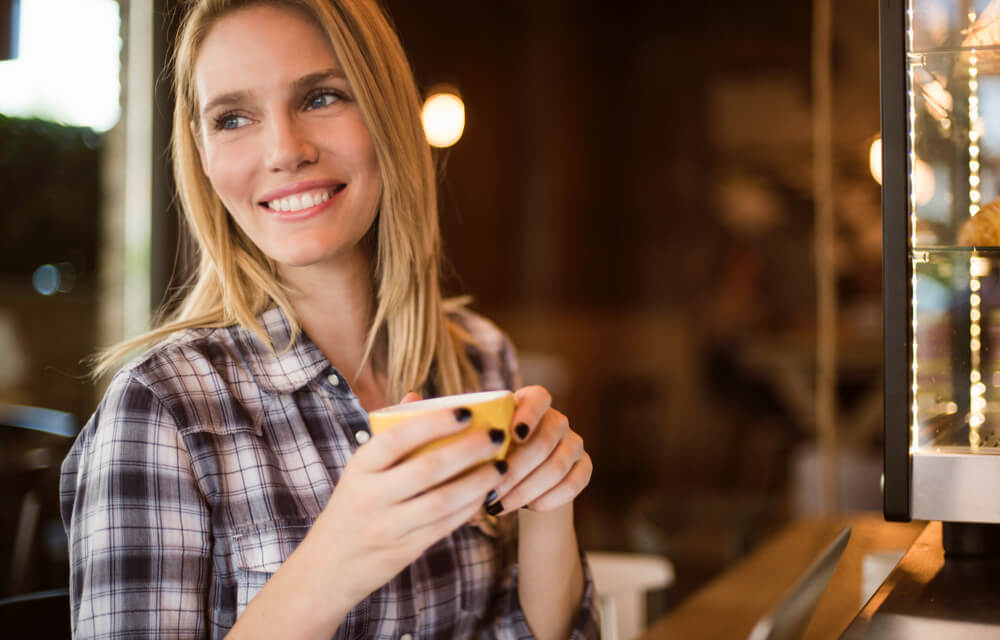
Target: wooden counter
x=730 y=605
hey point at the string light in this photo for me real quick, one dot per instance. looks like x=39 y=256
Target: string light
x=978 y=267
x=911 y=165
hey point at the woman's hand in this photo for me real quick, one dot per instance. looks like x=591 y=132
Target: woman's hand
x=547 y=466
x=386 y=511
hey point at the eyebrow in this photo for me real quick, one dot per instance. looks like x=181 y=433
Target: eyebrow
x=307 y=80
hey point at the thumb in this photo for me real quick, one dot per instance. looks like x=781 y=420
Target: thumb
x=412 y=396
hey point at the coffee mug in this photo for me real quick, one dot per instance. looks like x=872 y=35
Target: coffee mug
x=490 y=410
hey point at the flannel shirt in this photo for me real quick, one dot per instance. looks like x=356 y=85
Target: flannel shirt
x=207 y=462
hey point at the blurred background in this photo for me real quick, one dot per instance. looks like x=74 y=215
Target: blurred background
x=643 y=173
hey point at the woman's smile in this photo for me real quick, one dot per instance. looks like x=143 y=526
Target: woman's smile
x=300 y=201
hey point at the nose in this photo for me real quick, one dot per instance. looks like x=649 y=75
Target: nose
x=290 y=146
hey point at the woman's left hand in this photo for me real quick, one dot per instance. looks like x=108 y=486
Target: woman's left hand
x=547 y=464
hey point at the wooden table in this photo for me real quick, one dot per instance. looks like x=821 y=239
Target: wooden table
x=730 y=605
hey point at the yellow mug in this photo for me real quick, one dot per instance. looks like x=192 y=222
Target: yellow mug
x=490 y=410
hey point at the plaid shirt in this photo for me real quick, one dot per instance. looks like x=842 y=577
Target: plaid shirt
x=207 y=462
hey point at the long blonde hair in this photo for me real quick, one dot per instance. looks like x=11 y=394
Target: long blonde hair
x=235 y=281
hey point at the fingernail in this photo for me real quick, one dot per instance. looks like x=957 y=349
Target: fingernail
x=490 y=497
x=496 y=435
x=522 y=431
x=462 y=414
x=501 y=466
x=494 y=508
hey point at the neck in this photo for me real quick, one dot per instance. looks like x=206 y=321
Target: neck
x=334 y=304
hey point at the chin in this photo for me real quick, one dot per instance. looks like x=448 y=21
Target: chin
x=304 y=256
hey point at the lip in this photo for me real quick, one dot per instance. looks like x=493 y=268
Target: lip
x=302 y=214
x=299 y=187
x=311 y=185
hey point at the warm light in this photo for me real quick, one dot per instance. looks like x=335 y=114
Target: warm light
x=444 y=119
x=875 y=160
x=922 y=176
x=979 y=267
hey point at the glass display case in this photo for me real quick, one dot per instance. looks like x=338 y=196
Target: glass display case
x=941 y=249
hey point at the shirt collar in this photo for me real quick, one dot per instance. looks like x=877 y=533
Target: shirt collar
x=287 y=368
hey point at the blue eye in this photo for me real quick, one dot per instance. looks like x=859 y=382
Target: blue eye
x=322 y=98
x=230 y=121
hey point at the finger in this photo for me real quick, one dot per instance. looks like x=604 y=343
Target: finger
x=525 y=458
x=411 y=396
x=566 y=491
x=421 y=539
x=532 y=404
x=547 y=475
x=389 y=447
x=447 y=506
x=430 y=468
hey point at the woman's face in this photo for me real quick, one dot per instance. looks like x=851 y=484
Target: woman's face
x=282 y=140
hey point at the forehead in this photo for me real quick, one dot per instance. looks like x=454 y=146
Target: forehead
x=259 y=48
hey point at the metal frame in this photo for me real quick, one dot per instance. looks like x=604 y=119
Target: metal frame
x=896 y=268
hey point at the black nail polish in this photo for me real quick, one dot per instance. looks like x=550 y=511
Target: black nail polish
x=462 y=414
x=522 y=431
x=490 y=497
x=501 y=466
x=494 y=508
x=497 y=435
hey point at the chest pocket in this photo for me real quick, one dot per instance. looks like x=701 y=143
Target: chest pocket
x=260 y=552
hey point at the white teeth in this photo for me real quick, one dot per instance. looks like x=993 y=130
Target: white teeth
x=299 y=201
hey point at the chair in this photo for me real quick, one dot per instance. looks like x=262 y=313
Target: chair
x=44 y=614
x=33 y=550
x=622 y=580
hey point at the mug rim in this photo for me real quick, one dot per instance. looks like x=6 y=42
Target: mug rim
x=443 y=402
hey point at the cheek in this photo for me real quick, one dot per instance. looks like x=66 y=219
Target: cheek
x=230 y=173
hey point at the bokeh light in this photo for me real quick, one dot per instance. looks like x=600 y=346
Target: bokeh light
x=443 y=116
x=923 y=176
x=50 y=279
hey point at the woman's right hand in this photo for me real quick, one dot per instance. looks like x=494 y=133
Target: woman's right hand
x=387 y=510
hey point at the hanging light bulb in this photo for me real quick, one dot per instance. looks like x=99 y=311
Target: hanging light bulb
x=443 y=116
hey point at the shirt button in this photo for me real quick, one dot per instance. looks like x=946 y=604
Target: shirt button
x=334 y=380
x=362 y=437
x=406 y=636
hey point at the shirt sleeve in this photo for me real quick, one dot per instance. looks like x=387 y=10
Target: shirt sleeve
x=137 y=523
x=510 y=623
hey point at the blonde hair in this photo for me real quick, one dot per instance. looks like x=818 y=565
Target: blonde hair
x=235 y=281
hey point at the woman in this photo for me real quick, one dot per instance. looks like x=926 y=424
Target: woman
x=226 y=484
